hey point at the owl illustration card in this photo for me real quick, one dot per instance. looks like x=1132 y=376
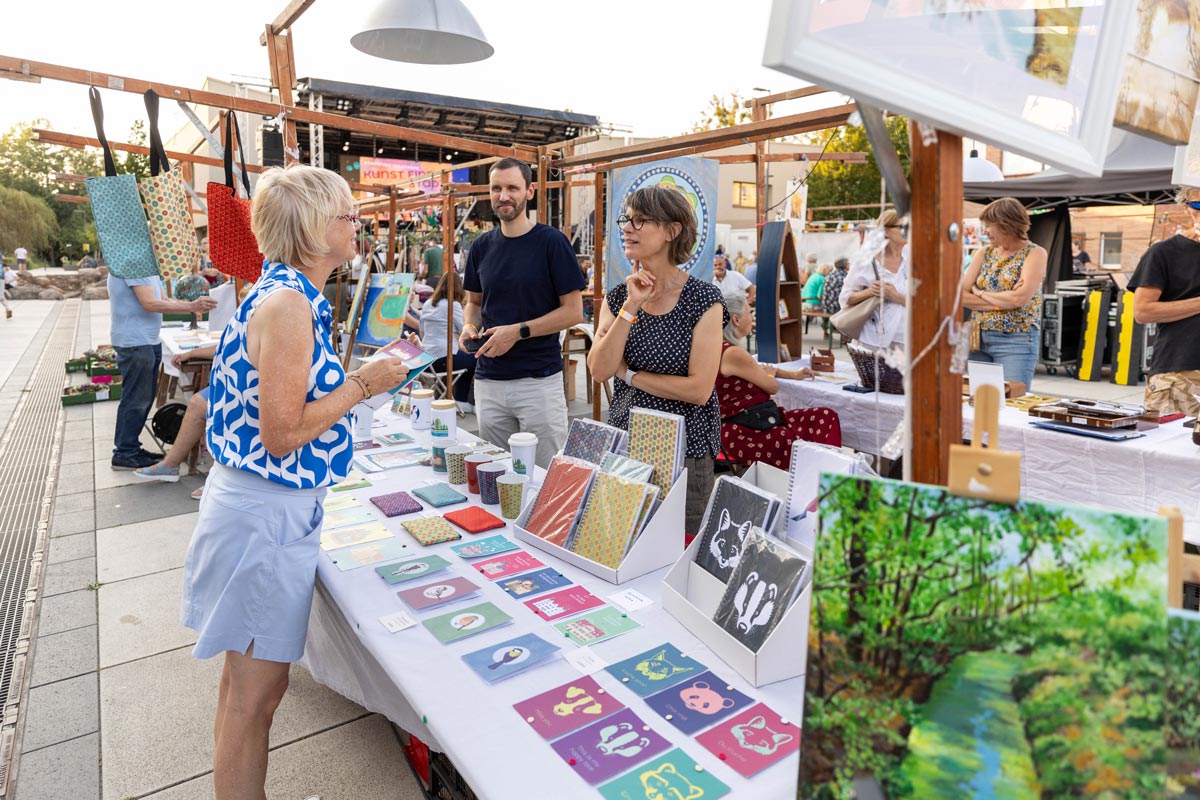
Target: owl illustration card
x=697 y=703
x=568 y=707
x=676 y=776
x=734 y=507
x=760 y=590
x=529 y=584
x=656 y=669
x=434 y=594
x=563 y=603
x=502 y=660
x=509 y=564
x=610 y=746
x=753 y=740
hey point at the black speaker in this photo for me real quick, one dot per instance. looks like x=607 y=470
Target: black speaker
x=270 y=147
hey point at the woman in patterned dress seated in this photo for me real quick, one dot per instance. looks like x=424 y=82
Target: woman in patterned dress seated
x=743 y=383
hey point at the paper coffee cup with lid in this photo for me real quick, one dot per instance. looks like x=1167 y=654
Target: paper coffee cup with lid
x=523 y=447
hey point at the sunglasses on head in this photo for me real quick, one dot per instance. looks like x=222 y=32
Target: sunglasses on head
x=1194 y=205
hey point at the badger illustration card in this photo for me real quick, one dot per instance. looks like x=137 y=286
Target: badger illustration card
x=499 y=661
x=753 y=740
x=765 y=582
x=676 y=776
x=404 y=571
x=564 y=603
x=455 y=625
x=656 y=669
x=568 y=707
x=370 y=553
x=509 y=564
x=697 y=703
x=610 y=746
x=492 y=545
x=529 y=584
x=734 y=507
x=433 y=594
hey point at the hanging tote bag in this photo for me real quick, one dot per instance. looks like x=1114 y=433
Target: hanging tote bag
x=851 y=320
x=171 y=231
x=231 y=243
x=117 y=209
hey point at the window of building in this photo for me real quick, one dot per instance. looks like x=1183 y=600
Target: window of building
x=745 y=194
x=1110 y=250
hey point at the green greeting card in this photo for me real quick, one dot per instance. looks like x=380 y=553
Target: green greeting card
x=597 y=626
x=674 y=775
x=466 y=622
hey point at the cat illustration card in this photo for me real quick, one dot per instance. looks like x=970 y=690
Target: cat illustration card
x=359 y=534
x=597 y=626
x=410 y=570
x=531 y=583
x=510 y=564
x=492 y=545
x=466 y=622
x=760 y=590
x=675 y=776
x=433 y=594
x=563 y=603
x=568 y=707
x=698 y=702
x=370 y=553
x=610 y=746
x=499 y=661
x=656 y=669
x=753 y=740
x=734 y=507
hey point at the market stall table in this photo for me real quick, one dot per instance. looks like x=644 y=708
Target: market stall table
x=427 y=689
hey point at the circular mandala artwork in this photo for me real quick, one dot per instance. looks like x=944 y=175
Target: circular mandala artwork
x=674 y=178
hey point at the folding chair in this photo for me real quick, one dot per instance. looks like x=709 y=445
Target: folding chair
x=437 y=382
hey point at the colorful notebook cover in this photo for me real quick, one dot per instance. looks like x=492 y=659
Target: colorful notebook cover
x=490 y=546
x=563 y=603
x=346 y=517
x=626 y=467
x=430 y=530
x=698 y=702
x=474 y=519
x=416 y=359
x=734 y=507
x=466 y=622
x=502 y=660
x=345 y=537
x=753 y=740
x=760 y=590
x=597 y=626
x=675 y=776
x=509 y=564
x=411 y=570
x=568 y=707
x=531 y=583
x=433 y=594
x=439 y=494
x=609 y=520
x=589 y=440
x=370 y=553
x=559 y=501
x=656 y=438
x=656 y=669
x=396 y=503
x=610 y=746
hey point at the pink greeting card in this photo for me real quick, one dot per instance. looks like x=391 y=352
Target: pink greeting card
x=568 y=707
x=753 y=740
x=563 y=603
x=508 y=564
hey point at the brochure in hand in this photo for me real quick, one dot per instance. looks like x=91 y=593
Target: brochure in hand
x=502 y=660
x=416 y=359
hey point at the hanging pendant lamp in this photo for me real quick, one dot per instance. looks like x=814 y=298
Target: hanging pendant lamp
x=422 y=32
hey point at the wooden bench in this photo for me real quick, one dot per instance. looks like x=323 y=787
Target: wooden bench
x=809 y=314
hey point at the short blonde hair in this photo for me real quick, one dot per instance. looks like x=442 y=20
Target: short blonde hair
x=292 y=210
x=825 y=269
x=889 y=219
x=1008 y=215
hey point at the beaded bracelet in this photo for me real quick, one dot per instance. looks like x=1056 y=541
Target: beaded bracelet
x=362 y=384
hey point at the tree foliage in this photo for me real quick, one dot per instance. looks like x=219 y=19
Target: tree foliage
x=836 y=183
x=722 y=112
x=25 y=221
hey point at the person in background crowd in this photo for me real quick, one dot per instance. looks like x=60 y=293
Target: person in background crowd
x=1079 y=257
x=814 y=290
x=1166 y=291
x=833 y=286
x=208 y=270
x=523 y=288
x=432 y=259
x=660 y=335
x=889 y=271
x=433 y=340
x=752 y=269
x=729 y=282
x=585 y=266
x=809 y=268
x=87 y=262
x=10 y=282
x=740 y=263
x=22 y=256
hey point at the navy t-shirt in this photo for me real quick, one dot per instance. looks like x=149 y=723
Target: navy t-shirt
x=522 y=279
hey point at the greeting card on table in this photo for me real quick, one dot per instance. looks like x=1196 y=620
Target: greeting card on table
x=558 y=503
x=655 y=669
x=499 y=661
x=340 y=502
x=412 y=569
x=502 y=566
x=590 y=440
x=610 y=519
x=675 y=776
x=393 y=438
x=378 y=462
x=698 y=702
x=610 y=746
x=433 y=594
x=568 y=707
x=345 y=537
x=466 y=622
x=354 y=480
x=532 y=583
x=370 y=553
x=490 y=546
x=563 y=603
x=430 y=530
x=657 y=438
x=346 y=517
x=753 y=740
x=597 y=626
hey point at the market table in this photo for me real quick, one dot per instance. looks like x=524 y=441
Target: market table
x=1137 y=475
x=426 y=688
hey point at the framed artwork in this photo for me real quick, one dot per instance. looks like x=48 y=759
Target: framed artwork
x=1157 y=96
x=383 y=308
x=1187 y=158
x=1039 y=79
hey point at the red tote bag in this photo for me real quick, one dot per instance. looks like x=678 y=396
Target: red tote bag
x=232 y=245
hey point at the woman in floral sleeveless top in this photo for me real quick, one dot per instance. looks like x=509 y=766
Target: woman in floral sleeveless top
x=1003 y=289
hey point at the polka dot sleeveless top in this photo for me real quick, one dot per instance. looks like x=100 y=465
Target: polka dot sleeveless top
x=662 y=344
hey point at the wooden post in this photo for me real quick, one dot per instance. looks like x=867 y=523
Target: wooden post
x=283 y=74
x=391 y=258
x=448 y=270
x=598 y=281
x=567 y=192
x=936 y=269
x=543 y=193
x=758 y=113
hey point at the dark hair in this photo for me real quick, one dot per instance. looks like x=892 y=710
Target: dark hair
x=667 y=207
x=439 y=292
x=842 y=263
x=513 y=163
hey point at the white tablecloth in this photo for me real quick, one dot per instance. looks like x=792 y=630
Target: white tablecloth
x=177 y=340
x=1138 y=475
x=426 y=688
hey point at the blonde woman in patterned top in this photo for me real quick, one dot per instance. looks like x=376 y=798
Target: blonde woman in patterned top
x=1003 y=289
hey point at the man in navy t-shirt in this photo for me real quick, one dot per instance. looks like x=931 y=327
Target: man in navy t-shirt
x=523 y=286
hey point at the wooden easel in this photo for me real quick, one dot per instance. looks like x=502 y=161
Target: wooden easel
x=987 y=473
x=1182 y=567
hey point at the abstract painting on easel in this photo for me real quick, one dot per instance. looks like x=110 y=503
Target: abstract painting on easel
x=383 y=309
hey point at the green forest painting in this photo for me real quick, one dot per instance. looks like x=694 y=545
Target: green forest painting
x=973 y=650
x=1183 y=704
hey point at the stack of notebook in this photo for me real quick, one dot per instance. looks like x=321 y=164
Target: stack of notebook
x=613 y=516
x=734 y=507
x=560 y=500
x=766 y=581
x=591 y=441
x=658 y=439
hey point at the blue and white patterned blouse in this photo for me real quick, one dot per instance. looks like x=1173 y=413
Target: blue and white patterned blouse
x=233 y=432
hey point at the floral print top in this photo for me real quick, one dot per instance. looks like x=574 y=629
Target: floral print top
x=1001 y=274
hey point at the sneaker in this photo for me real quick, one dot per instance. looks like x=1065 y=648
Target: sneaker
x=158 y=472
x=128 y=463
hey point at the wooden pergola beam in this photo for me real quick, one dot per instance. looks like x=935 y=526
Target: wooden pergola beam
x=287 y=18
x=791 y=94
x=260 y=107
x=748 y=158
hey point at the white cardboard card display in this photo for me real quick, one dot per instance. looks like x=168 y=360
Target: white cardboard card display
x=809 y=460
x=657 y=546
x=692 y=595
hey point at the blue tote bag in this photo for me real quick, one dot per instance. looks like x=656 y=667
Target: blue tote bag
x=121 y=223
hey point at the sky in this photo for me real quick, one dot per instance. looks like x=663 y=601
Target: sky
x=647 y=67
